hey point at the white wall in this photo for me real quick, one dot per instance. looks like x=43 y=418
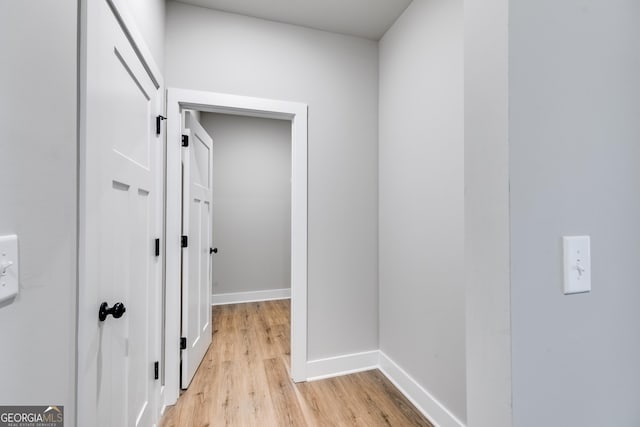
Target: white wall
x=337 y=77
x=486 y=179
x=574 y=155
x=251 y=202
x=38 y=172
x=422 y=300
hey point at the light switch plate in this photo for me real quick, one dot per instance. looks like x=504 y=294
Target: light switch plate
x=577 y=264
x=9 y=272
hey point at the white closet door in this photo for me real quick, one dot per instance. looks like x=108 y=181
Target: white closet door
x=196 y=258
x=119 y=209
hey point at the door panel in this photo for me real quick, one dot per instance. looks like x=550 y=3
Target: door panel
x=132 y=107
x=122 y=196
x=196 y=261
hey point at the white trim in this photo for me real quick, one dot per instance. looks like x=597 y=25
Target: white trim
x=247 y=106
x=424 y=401
x=342 y=365
x=253 y=296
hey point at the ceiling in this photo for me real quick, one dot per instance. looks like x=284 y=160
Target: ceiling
x=362 y=18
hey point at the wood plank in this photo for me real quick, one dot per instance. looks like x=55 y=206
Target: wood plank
x=319 y=401
x=391 y=398
x=283 y=397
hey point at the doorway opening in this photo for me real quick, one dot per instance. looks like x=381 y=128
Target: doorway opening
x=251 y=208
x=207 y=102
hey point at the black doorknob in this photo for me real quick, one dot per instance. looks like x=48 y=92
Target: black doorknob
x=116 y=311
x=213 y=251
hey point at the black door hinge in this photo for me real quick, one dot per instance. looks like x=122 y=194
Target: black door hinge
x=158 y=120
x=184 y=241
x=157 y=247
x=156 y=370
x=185 y=140
x=183 y=343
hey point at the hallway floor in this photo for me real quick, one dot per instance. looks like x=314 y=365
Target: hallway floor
x=244 y=381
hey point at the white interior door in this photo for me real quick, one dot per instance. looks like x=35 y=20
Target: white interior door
x=120 y=201
x=196 y=259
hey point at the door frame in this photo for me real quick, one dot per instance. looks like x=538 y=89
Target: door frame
x=178 y=99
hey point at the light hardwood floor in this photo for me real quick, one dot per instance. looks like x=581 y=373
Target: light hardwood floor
x=244 y=381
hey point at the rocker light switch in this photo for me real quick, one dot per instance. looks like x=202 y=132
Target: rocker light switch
x=577 y=264
x=8 y=267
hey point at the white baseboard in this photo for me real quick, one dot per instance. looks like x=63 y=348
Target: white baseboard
x=255 y=296
x=341 y=365
x=430 y=407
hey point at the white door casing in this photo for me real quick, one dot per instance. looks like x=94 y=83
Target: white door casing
x=178 y=100
x=120 y=206
x=197 y=195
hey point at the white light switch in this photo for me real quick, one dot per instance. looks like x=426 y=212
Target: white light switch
x=8 y=267
x=577 y=264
